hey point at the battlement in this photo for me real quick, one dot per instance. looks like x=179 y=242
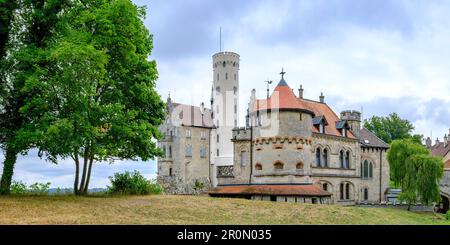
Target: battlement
x=241 y=133
x=351 y=115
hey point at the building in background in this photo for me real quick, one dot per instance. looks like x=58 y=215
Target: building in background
x=298 y=150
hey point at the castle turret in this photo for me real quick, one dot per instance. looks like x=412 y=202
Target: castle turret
x=225 y=106
x=353 y=119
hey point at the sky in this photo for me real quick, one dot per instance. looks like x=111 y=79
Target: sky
x=379 y=56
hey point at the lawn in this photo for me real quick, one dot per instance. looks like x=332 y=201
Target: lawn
x=164 y=209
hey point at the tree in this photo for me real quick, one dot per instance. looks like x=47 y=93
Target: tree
x=96 y=98
x=421 y=182
x=31 y=29
x=391 y=128
x=414 y=169
x=398 y=156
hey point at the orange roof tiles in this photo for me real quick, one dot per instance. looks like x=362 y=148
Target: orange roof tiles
x=284 y=190
x=283 y=98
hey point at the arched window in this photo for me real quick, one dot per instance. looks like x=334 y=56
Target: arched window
x=217 y=76
x=278 y=166
x=258 y=166
x=217 y=88
x=235 y=90
x=325 y=157
x=366 y=194
x=347 y=191
x=164 y=150
x=224 y=64
x=170 y=151
x=341 y=191
x=347 y=159
x=235 y=77
x=299 y=166
x=341 y=159
x=367 y=169
x=318 y=163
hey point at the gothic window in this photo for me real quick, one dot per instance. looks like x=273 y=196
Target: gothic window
x=341 y=191
x=347 y=191
x=299 y=166
x=258 y=166
x=325 y=157
x=347 y=159
x=278 y=166
x=170 y=151
x=366 y=194
x=164 y=150
x=367 y=169
x=341 y=159
x=318 y=163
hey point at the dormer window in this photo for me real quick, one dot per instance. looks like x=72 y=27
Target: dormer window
x=321 y=128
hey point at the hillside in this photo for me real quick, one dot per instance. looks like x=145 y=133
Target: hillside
x=160 y=209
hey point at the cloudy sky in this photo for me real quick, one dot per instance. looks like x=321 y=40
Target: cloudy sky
x=382 y=56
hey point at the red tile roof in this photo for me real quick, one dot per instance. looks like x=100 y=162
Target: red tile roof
x=283 y=98
x=440 y=149
x=281 y=190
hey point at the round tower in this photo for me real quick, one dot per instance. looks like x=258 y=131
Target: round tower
x=225 y=106
x=354 y=121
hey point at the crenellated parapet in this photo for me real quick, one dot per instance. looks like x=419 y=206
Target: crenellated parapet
x=282 y=140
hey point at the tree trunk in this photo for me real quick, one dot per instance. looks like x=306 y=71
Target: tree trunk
x=83 y=177
x=86 y=187
x=77 y=174
x=8 y=170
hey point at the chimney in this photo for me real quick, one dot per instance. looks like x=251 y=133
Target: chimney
x=300 y=92
x=428 y=142
x=437 y=141
x=322 y=98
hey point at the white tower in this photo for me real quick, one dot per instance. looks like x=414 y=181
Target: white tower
x=225 y=107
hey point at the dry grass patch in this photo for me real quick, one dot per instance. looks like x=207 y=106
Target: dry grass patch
x=162 y=209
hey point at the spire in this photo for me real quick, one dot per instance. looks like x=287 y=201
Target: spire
x=282 y=81
x=282 y=73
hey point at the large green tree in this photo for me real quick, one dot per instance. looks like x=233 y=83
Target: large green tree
x=31 y=27
x=391 y=128
x=96 y=99
x=421 y=182
x=414 y=169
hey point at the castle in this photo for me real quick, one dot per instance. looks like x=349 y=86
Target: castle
x=292 y=149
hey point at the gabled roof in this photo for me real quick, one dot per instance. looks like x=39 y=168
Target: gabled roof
x=284 y=190
x=440 y=149
x=190 y=115
x=341 y=124
x=369 y=139
x=319 y=120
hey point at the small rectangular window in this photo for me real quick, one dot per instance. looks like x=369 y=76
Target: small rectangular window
x=188 y=133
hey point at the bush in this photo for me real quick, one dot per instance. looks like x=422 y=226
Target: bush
x=18 y=188
x=447 y=215
x=132 y=184
x=39 y=188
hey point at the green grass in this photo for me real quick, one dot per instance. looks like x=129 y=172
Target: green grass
x=164 y=209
